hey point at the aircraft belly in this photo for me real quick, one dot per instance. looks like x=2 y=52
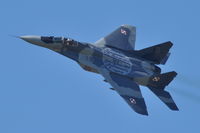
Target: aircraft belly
x=116 y=62
x=121 y=64
x=111 y=60
x=86 y=59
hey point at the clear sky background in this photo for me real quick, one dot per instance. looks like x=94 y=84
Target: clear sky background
x=44 y=92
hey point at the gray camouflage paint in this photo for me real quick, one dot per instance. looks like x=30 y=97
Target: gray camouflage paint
x=109 y=58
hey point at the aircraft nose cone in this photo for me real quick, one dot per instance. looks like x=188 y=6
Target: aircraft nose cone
x=32 y=39
x=25 y=38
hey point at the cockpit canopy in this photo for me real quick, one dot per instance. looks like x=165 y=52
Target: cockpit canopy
x=47 y=39
x=52 y=39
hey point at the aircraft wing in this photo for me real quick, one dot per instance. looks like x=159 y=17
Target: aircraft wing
x=128 y=90
x=122 y=38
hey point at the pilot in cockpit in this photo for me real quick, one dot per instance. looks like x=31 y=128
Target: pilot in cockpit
x=65 y=41
x=68 y=41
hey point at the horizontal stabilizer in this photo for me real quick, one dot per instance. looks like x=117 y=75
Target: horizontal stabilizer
x=157 y=84
x=165 y=97
x=157 y=54
x=159 y=81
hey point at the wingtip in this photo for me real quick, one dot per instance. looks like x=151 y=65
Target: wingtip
x=142 y=112
x=174 y=107
x=145 y=113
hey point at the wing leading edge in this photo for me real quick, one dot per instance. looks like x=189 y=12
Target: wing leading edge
x=128 y=90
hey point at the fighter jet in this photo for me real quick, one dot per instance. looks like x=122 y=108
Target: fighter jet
x=115 y=58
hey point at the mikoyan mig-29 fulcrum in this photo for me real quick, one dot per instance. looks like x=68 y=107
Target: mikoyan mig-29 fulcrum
x=115 y=58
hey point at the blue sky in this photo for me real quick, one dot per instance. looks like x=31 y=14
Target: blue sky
x=42 y=91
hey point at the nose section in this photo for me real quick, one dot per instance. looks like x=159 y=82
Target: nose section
x=32 y=39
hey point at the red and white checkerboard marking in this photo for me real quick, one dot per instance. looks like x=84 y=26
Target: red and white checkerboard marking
x=123 y=32
x=132 y=100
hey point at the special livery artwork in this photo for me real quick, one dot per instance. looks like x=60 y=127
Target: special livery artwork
x=116 y=62
x=115 y=58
